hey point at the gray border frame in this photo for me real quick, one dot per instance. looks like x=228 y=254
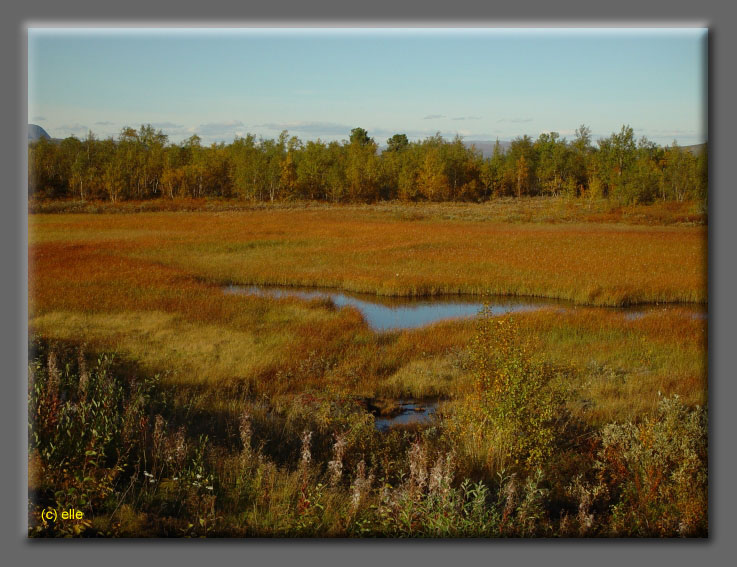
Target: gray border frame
x=719 y=17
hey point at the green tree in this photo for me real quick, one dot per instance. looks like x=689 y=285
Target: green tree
x=397 y=143
x=246 y=167
x=362 y=169
x=462 y=167
x=288 y=178
x=432 y=183
x=683 y=176
x=519 y=166
x=360 y=136
x=146 y=165
x=615 y=158
x=492 y=173
x=336 y=181
x=313 y=170
x=522 y=176
x=579 y=160
x=152 y=144
x=552 y=163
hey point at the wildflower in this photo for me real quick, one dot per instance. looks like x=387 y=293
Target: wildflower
x=246 y=433
x=54 y=375
x=417 y=466
x=441 y=474
x=84 y=375
x=245 y=429
x=180 y=447
x=158 y=435
x=306 y=454
x=509 y=493
x=361 y=485
x=335 y=467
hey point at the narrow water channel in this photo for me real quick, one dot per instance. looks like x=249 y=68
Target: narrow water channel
x=395 y=313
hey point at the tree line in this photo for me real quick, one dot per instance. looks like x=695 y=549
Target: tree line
x=144 y=164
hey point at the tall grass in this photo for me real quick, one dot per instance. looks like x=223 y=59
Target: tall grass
x=368 y=252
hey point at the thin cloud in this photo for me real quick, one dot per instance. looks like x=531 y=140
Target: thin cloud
x=423 y=134
x=311 y=128
x=167 y=126
x=515 y=120
x=466 y=118
x=686 y=137
x=561 y=133
x=39 y=119
x=215 y=129
x=433 y=116
x=104 y=123
x=671 y=132
x=317 y=129
x=486 y=136
x=74 y=128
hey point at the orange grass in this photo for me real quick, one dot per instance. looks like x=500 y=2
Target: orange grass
x=148 y=285
x=504 y=209
x=588 y=264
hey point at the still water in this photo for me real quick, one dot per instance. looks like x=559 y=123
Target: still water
x=393 y=313
x=410 y=412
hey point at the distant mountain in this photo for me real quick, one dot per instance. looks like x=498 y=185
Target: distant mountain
x=486 y=147
x=36 y=133
x=696 y=149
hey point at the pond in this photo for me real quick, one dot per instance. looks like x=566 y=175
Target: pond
x=395 y=313
x=401 y=413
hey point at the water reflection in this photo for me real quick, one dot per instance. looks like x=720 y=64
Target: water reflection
x=392 y=313
x=409 y=412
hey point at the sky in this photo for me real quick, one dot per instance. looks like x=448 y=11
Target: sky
x=482 y=84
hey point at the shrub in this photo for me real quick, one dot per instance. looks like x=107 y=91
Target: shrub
x=86 y=427
x=515 y=407
x=656 y=472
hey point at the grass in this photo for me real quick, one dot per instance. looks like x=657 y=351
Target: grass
x=508 y=210
x=599 y=264
x=149 y=287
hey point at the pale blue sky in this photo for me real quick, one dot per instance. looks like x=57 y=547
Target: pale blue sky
x=483 y=84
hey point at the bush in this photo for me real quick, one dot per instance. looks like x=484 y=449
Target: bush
x=516 y=406
x=656 y=472
x=86 y=427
